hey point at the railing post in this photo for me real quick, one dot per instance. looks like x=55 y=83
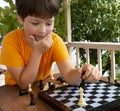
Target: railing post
x=68 y=19
x=113 y=77
x=87 y=56
x=68 y=22
x=99 y=60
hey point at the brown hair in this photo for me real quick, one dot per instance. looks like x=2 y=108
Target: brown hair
x=38 y=8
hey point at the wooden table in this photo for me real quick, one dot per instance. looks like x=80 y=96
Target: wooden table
x=11 y=101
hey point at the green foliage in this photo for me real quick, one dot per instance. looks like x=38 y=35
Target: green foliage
x=8 y=18
x=96 y=21
x=60 y=23
x=106 y=61
x=118 y=74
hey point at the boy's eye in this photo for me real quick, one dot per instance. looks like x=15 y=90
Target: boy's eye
x=34 y=23
x=49 y=23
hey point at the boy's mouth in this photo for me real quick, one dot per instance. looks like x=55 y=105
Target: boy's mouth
x=37 y=37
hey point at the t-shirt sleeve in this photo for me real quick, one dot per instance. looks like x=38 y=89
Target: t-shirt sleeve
x=60 y=52
x=10 y=55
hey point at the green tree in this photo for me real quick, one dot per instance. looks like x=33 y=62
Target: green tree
x=96 y=21
x=8 y=18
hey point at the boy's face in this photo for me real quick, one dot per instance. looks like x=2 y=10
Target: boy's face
x=37 y=27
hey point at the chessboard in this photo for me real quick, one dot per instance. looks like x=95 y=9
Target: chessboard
x=100 y=96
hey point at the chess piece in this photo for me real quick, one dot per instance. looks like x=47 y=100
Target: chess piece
x=51 y=85
x=29 y=88
x=23 y=92
x=32 y=101
x=41 y=85
x=52 y=77
x=82 y=84
x=46 y=87
x=60 y=78
x=81 y=100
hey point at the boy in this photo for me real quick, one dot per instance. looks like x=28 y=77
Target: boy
x=30 y=51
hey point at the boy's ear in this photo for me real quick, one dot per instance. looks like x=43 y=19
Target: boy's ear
x=20 y=19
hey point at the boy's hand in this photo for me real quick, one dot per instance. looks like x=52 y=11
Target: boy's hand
x=41 y=45
x=91 y=73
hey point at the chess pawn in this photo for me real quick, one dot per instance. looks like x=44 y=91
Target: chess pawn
x=81 y=100
x=29 y=88
x=46 y=87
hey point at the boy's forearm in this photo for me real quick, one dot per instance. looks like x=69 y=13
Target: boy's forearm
x=30 y=72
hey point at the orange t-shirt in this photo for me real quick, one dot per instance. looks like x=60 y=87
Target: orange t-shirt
x=15 y=53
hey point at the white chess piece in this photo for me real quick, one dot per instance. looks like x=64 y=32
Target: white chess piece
x=46 y=87
x=29 y=88
x=52 y=77
x=81 y=100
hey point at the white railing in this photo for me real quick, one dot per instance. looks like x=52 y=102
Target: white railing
x=99 y=46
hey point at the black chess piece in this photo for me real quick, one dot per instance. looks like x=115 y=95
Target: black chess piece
x=23 y=92
x=41 y=86
x=51 y=85
x=117 y=84
x=32 y=101
x=82 y=84
x=60 y=78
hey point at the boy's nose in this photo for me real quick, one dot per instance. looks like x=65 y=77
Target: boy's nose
x=42 y=29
